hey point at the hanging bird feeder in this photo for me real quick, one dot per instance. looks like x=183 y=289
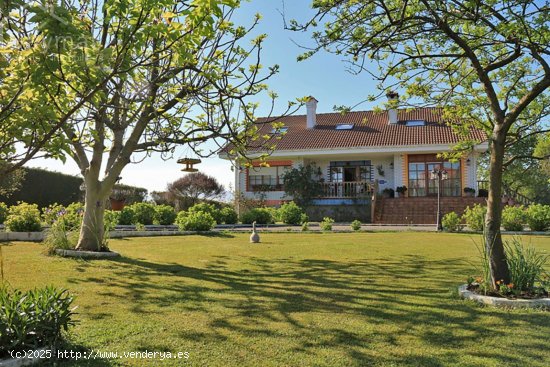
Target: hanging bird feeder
x=189 y=162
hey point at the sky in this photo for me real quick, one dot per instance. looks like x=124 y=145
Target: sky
x=323 y=76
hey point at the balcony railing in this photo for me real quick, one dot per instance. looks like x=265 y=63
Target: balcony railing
x=351 y=189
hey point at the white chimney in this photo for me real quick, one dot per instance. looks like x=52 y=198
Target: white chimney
x=393 y=100
x=311 y=107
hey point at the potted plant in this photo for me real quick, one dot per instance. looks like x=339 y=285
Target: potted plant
x=401 y=191
x=469 y=192
x=388 y=193
x=117 y=199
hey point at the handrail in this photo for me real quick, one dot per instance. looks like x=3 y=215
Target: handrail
x=350 y=189
x=507 y=192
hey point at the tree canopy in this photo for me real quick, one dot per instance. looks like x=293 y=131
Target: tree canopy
x=124 y=79
x=191 y=188
x=486 y=62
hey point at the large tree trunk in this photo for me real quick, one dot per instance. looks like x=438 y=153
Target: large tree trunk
x=92 y=230
x=493 y=239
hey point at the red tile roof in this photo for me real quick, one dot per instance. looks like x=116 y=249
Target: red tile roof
x=371 y=129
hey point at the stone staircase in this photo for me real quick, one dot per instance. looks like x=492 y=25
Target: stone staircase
x=421 y=210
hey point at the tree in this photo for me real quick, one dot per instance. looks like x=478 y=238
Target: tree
x=29 y=121
x=147 y=76
x=487 y=63
x=194 y=187
x=302 y=184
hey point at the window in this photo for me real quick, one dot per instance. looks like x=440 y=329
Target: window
x=342 y=171
x=279 y=130
x=344 y=126
x=420 y=184
x=267 y=178
x=415 y=123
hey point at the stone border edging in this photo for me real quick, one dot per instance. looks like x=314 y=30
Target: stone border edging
x=87 y=254
x=18 y=362
x=503 y=302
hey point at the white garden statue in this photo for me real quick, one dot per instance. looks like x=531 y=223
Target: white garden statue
x=254 y=237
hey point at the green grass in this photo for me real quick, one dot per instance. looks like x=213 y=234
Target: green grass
x=348 y=299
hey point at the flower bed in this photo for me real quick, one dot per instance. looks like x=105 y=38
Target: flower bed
x=494 y=299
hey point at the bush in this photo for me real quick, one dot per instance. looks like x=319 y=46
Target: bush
x=207 y=208
x=538 y=217
x=110 y=219
x=229 y=215
x=3 y=212
x=526 y=265
x=290 y=213
x=143 y=213
x=34 y=318
x=513 y=218
x=23 y=218
x=51 y=213
x=326 y=224
x=258 y=215
x=275 y=215
x=305 y=226
x=356 y=225
x=126 y=216
x=73 y=216
x=451 y=222
x=475 y=217
x=195 y=221
x=164 y=215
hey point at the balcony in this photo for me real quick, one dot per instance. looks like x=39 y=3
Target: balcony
x=350 y=189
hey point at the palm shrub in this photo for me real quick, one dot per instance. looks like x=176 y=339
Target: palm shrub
x=60 y=236
x=475 y=217
x=538 y=217
x=326 y=224
x=23 y=218
x=195 y=221
x=164 y=215
x=33 y=319
x=513 y=218
x=290 y=213
x=451 y=222
x=526 y=264
x=144 y=213
x=356 y=225
x=3 y=212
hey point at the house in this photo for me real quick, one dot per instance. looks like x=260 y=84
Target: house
x=361 y=153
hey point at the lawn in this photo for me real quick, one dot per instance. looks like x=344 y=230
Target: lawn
x=342 y=299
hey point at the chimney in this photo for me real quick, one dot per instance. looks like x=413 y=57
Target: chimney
x=311 y=107
x=393 y=100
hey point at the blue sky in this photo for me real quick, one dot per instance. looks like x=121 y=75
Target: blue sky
x=323 y=76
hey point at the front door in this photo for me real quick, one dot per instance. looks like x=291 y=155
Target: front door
x=350 y=174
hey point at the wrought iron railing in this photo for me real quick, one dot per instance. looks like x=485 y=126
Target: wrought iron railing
x=507 y=193
x=351 y=189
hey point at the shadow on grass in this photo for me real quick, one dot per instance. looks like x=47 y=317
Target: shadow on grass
x=395 y=297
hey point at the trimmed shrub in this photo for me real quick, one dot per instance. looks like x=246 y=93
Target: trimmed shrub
x=290 y=213
x=164 y=215
x=144 y=213
x=126 y=216
x=451 y=222
x=229 y=215
x=23 y=218
x=538 y=217
x=326 y=224
x=258 y=215
x=3 y=212
x=207 y=208
x=32 y=319
x=73 y=215
x=356 y=225
x=475 y=217
x=513 y=218
x=275 y=215
x=195 y=221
